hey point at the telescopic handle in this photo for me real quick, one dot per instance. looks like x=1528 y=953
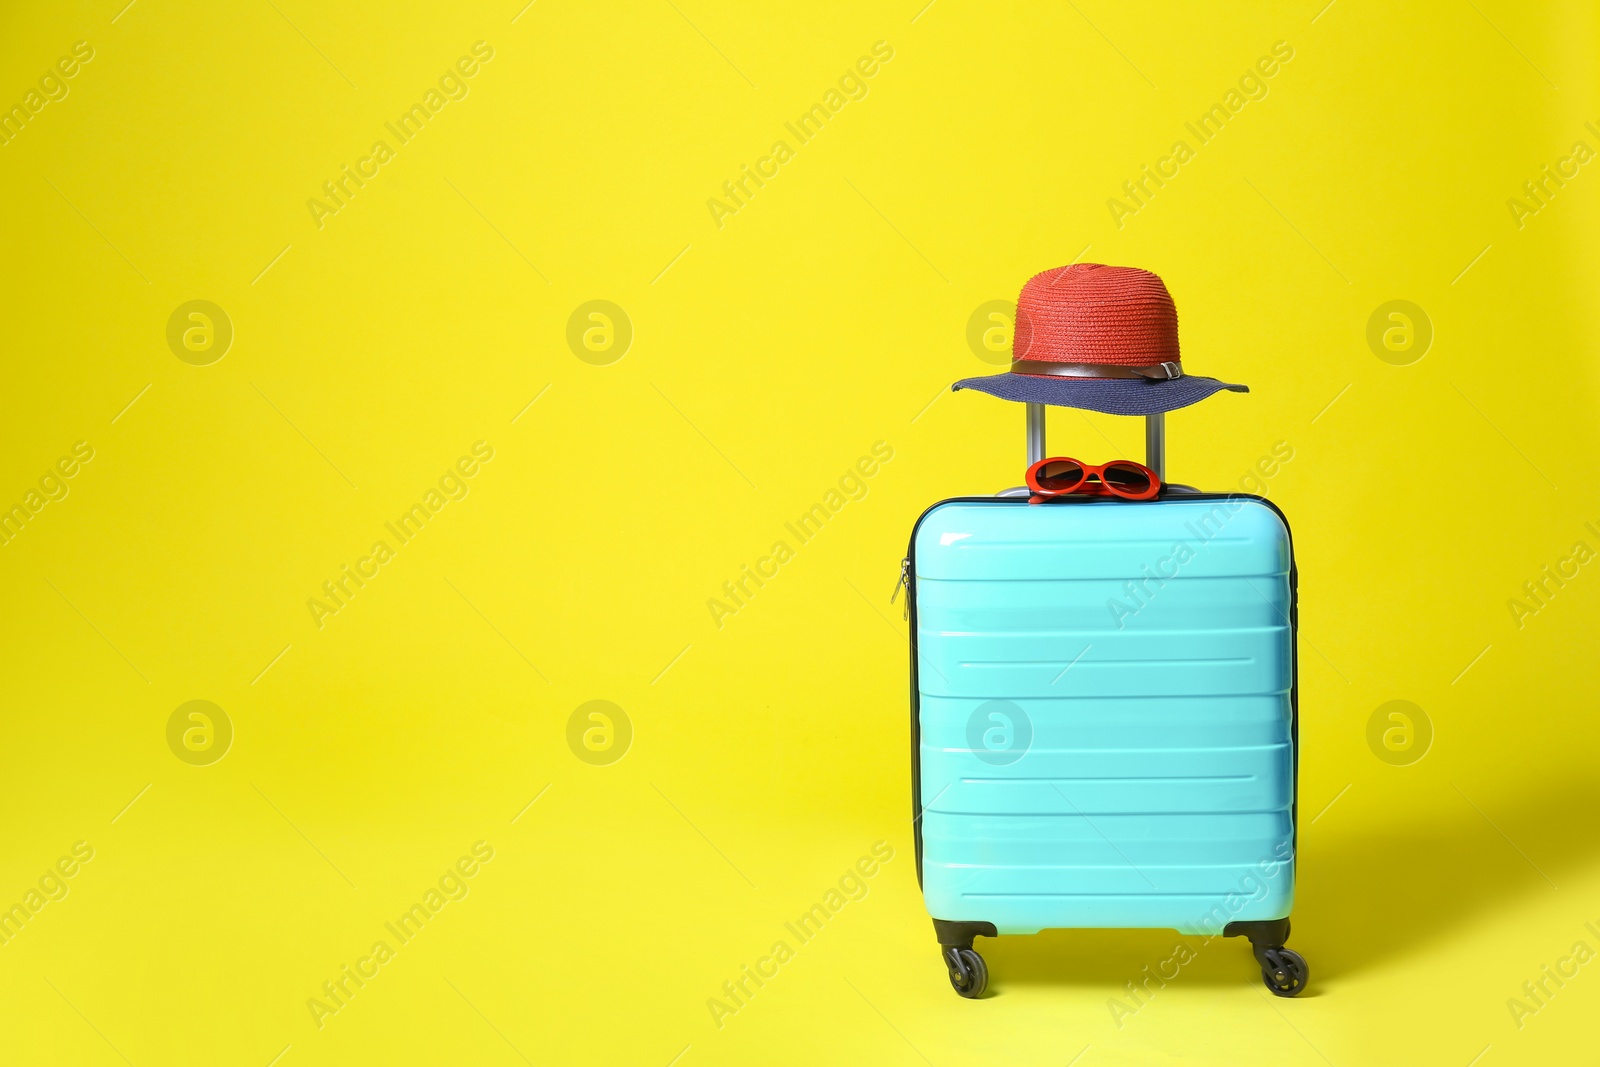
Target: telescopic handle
x=1155 y=444
x=1035 y=433
x=1155 y=439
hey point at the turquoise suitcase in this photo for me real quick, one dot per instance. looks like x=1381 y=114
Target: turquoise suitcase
x=1104 y=718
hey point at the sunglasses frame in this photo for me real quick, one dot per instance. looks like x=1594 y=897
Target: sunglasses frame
x=1093 y=481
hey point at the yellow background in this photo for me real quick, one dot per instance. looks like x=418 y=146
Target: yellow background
x=768 y=355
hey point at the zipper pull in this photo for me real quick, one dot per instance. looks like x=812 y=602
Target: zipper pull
x=903 y=583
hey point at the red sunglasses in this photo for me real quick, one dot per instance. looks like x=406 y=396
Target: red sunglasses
x=1061 y=476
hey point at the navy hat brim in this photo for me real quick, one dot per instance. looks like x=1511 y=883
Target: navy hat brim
x=1110 y=396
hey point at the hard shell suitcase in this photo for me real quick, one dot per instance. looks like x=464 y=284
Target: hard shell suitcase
x=1104 y=717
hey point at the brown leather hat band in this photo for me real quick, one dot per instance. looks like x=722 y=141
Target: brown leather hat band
x=1158 y=371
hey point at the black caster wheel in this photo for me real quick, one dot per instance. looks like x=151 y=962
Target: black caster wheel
x=1284 y=971
x=969 y=976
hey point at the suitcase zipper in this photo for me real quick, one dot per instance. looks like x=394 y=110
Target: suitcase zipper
x=903 y=583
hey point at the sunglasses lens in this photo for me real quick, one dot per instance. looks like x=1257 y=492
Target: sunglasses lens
x=1060 y=474
x=1129 y=479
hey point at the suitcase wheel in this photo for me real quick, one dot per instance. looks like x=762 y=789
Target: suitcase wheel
x=1282 y=969
x=969 y=975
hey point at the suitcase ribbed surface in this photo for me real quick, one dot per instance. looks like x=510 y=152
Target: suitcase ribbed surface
x=1095 y=753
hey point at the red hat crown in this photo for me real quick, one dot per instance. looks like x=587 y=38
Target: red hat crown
x=1092 y=313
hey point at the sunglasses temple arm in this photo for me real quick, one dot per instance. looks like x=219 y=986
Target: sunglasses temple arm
x=1035 y=433
x=1155 y=444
